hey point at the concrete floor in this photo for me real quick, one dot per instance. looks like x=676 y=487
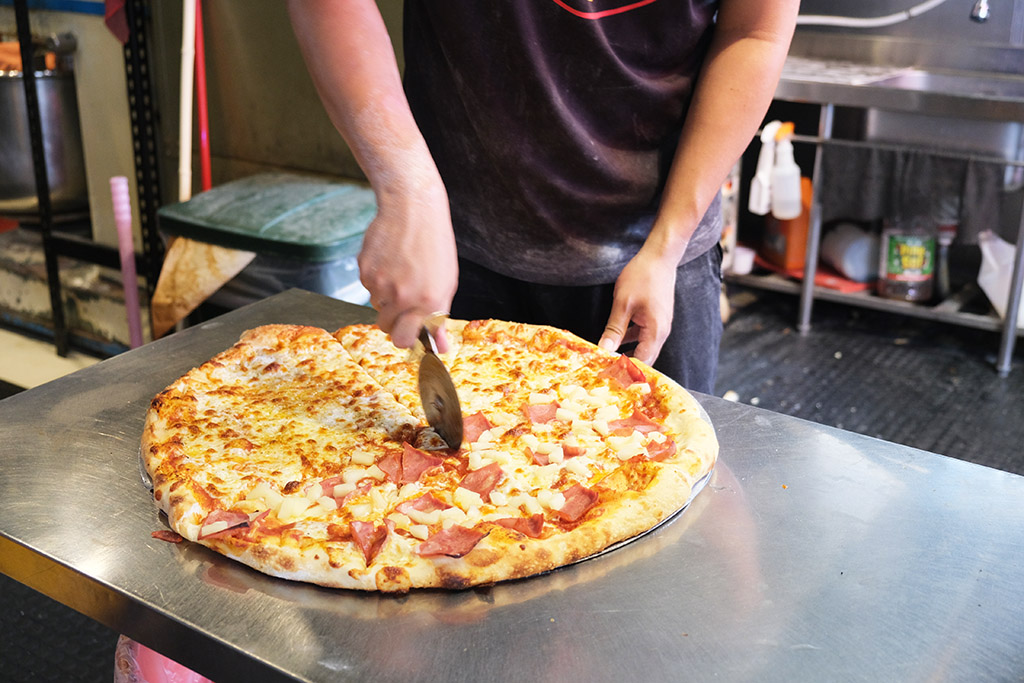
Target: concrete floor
x=918 y=383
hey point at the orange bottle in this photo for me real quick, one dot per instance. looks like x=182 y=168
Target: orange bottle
x=785 y=241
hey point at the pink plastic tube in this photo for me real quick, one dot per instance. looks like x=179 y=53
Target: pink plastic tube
x=136 y=663
x=155 y=668
x=123 y=219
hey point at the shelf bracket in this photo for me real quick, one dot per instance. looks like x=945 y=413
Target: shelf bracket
x=814 y=229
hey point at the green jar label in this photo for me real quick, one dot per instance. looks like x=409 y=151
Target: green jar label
x=910 y=258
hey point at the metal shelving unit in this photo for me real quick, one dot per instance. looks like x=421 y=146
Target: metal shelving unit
x=57 y=243
x=949 y=311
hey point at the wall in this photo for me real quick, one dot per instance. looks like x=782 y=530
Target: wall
x=264 y=112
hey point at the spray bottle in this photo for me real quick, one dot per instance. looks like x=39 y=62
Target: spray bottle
x=759 y=202
x=785 y=177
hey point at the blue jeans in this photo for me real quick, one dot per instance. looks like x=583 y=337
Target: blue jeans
x=690 y=354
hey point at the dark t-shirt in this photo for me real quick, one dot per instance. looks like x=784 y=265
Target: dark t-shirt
x=553 y=124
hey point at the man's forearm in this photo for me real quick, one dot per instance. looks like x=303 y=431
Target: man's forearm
x=350 y=57
x=733 y=92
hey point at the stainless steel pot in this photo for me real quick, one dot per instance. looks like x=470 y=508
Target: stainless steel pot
x=62 y=144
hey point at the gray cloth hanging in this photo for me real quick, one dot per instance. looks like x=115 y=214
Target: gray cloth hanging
x=870 y=184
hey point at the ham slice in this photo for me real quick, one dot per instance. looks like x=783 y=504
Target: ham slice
x=483 y=480
x=415 y=462
x=358 y=491
x=368 y=537
x=572 y=451
x=635 y=422
x=661 y=451
x=327 y=485
x=232 y=519
x=578 y=499
x=530 y=526
x=540 y=413
x=391 y=465
x=425 y=503
x=473 y=426
x=327 y=489
x=408 y=466
x=167 y=535
x=623 y=372
x=567 y=452
x=455 y=541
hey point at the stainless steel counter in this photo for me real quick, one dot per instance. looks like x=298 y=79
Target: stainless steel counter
x=929 y=77
x=813 y=554
x=936 y=92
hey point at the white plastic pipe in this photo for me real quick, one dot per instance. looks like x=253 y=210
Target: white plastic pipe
x=868 y=22
x=188 y=61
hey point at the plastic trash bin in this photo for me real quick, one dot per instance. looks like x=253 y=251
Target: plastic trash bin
x=306 y=232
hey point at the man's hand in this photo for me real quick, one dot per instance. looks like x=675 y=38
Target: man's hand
x=408 y=258
x=642 y=307
x=408 y=261
x=733 y=91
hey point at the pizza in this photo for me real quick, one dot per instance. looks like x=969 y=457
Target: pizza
x=306 y=455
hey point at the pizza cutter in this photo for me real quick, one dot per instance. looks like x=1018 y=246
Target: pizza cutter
x=437 y=393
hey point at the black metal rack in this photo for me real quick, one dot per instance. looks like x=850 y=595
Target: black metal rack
x=948 y=311
x=58 y=243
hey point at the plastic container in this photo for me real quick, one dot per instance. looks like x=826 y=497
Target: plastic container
x=852 y=251
x=996 y=273
x=785 y=183
x=906 y=265
x=759 y=201
x=785 y=241
x=743 y=261
x=62 y=145
x=306 y=232
x=136 y=663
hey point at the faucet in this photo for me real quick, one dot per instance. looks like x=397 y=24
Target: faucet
x=979 y=12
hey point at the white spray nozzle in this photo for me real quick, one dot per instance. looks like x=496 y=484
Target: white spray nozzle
x=760 y=200
x=769 y=132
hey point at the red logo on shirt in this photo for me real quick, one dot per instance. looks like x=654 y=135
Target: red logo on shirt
x=596 y=9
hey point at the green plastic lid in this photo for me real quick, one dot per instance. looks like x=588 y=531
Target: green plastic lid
x=277 y=213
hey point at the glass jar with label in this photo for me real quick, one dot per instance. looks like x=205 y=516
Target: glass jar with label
x=907 y=259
